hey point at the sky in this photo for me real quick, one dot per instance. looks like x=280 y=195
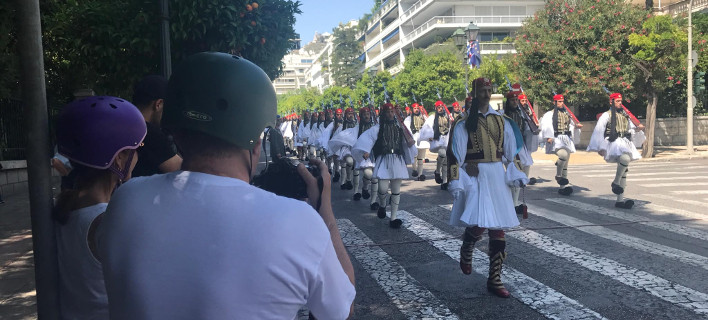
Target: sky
x=323 y=15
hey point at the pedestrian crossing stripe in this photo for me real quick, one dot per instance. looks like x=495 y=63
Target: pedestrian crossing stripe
x=633 y=169
x=632 y=174
x=689 y=191
x=673 y=198
x=666 y=290
x=630 y=179
x=628 y=216
x=547 y=301
x=621 y=238
x=414 y=301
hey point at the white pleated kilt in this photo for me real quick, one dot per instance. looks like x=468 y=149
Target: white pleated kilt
x=343 y=152
x=420 y=143
x=441 y=143
x=562 y=142
x=366 y=163
x=613 y=150
x=391 y=166
x=486 y=201
x=525 y=156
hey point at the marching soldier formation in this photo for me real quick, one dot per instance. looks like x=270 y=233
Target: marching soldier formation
x=484 y=157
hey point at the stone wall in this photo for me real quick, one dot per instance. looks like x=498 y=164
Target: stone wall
x=668 y=131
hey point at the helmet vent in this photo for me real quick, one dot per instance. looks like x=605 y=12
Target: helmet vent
x=221 y=104
x=235 y=57
x=120 y=100
x=113 y=106
x=93 y=105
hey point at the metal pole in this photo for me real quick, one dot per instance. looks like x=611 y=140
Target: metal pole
x=29 y=49
x=166 y=59
x=689 y=111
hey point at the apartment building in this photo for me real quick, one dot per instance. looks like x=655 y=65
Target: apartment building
x=402 y=25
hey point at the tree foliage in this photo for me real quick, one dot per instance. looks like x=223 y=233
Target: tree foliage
x=574 y=48
x=107 y=45
x=346 y=65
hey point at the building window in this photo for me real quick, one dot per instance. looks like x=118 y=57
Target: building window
x=306 y=61
x=493 y=36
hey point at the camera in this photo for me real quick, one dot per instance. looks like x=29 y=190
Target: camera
x=281 y=177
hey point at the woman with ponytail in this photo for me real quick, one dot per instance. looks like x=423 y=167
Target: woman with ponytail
x=100 y=136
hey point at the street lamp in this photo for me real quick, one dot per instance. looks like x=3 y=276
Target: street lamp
x=459 y=37
x=472 y=31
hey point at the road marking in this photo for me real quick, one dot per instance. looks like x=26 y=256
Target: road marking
x=628 y=216
x=690 y=191
x=659 y=287
x=623 y=239
x=632 y=174
x=632 y=169
x=545 y=300
x=414 y=301
x=663 y=185
x=630 y=179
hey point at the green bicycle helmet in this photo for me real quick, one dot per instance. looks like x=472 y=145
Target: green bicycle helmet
x=221 y=95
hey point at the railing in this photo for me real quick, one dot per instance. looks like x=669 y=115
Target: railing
x=381 y=12
x=487 y=46
x=479 y=20
x=394 y=70
x=682 y=7
x=414 y=8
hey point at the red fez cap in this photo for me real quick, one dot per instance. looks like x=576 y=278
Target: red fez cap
x=558 y=97
x=349 y=110
x=455 y=104
x=615 y=96
x=339 y=111
x=364 y=109
x=408 y=109
x=522 y=97
x=387 y=106
x=439 y=103
x=415 y=105
x=482 y=83
x=512 y=94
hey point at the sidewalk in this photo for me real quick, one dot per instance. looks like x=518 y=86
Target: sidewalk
x=17 y=295
x=661 y=154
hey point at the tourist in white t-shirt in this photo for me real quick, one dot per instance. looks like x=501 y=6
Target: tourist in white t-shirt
x=99 y=135
x=205 y=244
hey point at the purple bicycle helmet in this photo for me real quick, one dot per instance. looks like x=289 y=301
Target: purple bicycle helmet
x=92 y=131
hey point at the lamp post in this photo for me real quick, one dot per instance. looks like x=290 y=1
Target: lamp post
x=372 y=74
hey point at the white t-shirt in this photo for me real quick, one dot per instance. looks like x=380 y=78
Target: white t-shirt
x=188 y=245
x=82 y=292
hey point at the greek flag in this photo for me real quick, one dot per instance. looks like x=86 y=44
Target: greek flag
x=474 y=56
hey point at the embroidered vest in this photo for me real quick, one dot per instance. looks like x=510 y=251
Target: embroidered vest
x=563 y=123
x=417 y=122
x=622 y=125
x=487 y=143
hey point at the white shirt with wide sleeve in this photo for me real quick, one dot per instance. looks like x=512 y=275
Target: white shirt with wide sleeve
x=188 y=245
x=621 y=145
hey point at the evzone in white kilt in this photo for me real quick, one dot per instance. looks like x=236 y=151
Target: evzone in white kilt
x=564 y=135
x=422 y=145
x=515 y=109
x=618 y=147
x=438 y=145
x=389 y=167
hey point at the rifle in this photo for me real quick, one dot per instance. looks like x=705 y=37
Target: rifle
x=570 y=113
x=406 y=133
x=632 y=118
x=534 y=124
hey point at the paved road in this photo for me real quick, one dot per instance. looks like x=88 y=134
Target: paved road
x=576 y=257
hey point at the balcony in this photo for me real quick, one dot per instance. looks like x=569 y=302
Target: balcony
x=395 y=69
x=383 y=10
x=491 y=46
x=414 y=9
x=682 y=7
x=462 y=21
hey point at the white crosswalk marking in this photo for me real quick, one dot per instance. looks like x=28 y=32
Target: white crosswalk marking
x=689 y=191
x=414 y=301
x=686 y=201
x=659 y=287
x=626 y=240
x=632 y=174
x=536 y=295
x=678 y=184
x=630 y=179
x=627 y=216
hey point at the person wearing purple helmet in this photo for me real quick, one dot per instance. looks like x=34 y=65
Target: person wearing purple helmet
x=99 y=135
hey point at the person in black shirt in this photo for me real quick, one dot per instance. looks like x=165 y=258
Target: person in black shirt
x=159 y=154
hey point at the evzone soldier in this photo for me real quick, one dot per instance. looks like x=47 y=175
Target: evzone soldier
x=481 y=140
x=345 y=140
x=344 y=153
x=456 y=110
x=286 y=129
x=313 y=135
x=332 y=128
x=392 y=147
x=616 y=137
x=303 y=132
x=526 y=122
x=561 y=129
x=414 y=123
x=435 y=131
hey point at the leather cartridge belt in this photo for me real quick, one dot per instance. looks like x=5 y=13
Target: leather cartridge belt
x=480 y=158
x=559 y=133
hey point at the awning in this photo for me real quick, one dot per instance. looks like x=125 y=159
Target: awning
x=389 y=36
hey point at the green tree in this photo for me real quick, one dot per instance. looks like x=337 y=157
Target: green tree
x=299 y=100
x=372 y=87
x=346 y=65
x=424 y=76
x=659 y=51
x=108 y=45
x=574 y=48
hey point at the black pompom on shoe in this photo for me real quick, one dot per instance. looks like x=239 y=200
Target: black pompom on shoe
x=627 y=204
x=532 y=181
x=438 y=178
x=336 y=177
x=357 y=196
x=421 y=178
x=365 y=194
x=562 y=181
x=617 y=189
x=350 y=186
x=395 y=224
x=566 y=191
x=374 y=206
x=381 y=213
x=443 y=186
x=414 y=173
